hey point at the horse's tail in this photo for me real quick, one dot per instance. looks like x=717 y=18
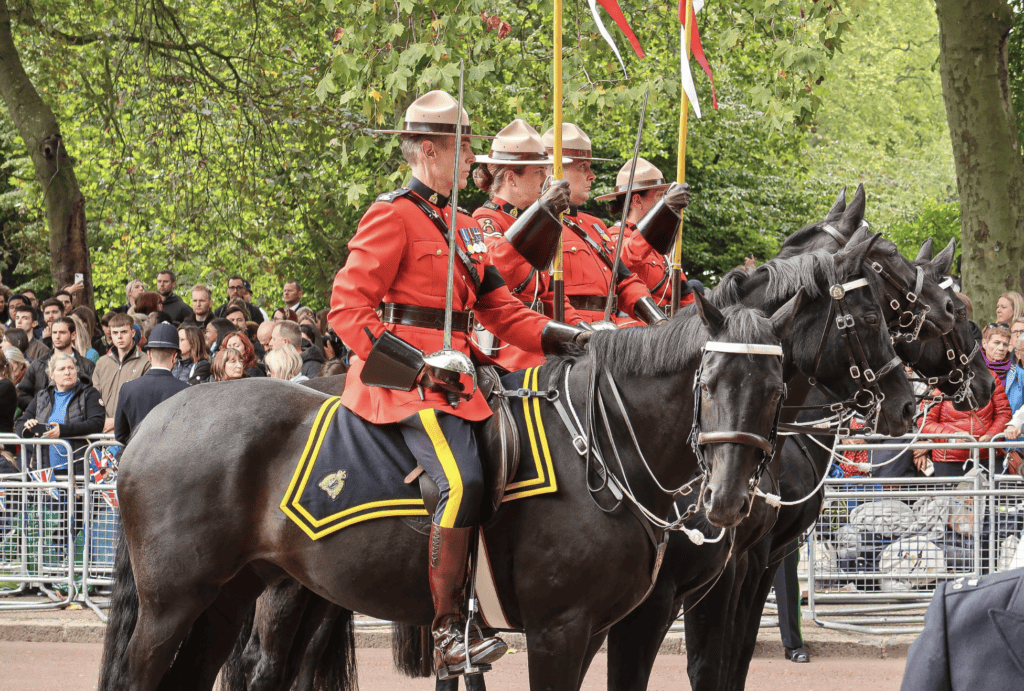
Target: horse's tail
x=124 y=612
x=413 y=650
x=336 y=669
x=232 y=675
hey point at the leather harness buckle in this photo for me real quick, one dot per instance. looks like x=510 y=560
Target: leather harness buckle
x=855 y=371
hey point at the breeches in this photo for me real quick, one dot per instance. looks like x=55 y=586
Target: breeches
x=446 y=448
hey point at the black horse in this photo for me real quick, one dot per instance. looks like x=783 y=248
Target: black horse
x=723 y=613
x=192 y=562
x=815 y=273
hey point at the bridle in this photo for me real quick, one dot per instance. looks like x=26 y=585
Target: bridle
x=907 y=322
x=960 y=372
x=699 y=438
x=869 y=394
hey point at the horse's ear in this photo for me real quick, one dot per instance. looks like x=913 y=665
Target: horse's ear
x=854 y=214
x=925 y=253
x=862 y=234
x=782 y=320
x=712 y=317
x=836 y=212
x=944 y=261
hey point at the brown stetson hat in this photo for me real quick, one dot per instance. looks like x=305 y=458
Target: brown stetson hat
x=575 y=143
x=518 y=145
x=435 y=113
x=646 y=177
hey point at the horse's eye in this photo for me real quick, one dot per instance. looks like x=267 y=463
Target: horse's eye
x=871 y=319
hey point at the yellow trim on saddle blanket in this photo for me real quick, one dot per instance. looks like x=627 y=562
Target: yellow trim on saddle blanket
x=318 y=528
x=545 y=482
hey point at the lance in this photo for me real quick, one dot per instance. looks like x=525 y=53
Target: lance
x=448 y=358
x=676 y=265
x=557 y=280
x=625 y=212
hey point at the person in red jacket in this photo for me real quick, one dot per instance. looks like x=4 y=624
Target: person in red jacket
x=398 y=262
x=513 y=174
x=651 y=227
x=587 y=248
x=982 y=424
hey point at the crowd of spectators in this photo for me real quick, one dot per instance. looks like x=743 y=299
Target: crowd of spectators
x=1002 y=347
x=63 y=367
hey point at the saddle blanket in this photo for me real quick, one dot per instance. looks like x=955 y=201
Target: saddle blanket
x=352 y=471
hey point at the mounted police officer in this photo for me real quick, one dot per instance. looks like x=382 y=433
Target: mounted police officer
x=398 y=262
x=587 y=247
x=520 y=225
x=654 y=214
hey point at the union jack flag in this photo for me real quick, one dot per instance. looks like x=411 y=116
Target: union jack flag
x=45 y=475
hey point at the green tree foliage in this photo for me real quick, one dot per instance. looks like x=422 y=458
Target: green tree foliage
x=884 y=122
x=225 y=137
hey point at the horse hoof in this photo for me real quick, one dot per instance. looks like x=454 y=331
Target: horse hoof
x=797 y=655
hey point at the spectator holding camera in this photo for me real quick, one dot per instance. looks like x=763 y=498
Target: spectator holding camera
x=65 y=408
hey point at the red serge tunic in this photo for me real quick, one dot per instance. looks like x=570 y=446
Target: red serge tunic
x=649 y=265
x=587 y=271
x=399 y=256
x=531 y=286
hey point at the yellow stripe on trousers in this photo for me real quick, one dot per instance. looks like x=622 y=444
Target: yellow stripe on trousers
x=451 y=469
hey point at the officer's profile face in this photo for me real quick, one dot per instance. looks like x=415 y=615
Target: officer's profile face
x=439 y=156
x=529 y=181
x=580 y=178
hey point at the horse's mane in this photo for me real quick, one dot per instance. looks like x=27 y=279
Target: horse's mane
x=667 y=349
x=803 y=234
x=808 y=271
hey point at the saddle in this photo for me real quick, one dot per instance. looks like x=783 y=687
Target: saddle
x=499 y=444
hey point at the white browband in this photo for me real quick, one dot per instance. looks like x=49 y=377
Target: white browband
x=948 y=283
x=859 y=283
x=743 y=348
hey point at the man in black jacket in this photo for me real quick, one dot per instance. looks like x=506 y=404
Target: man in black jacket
x=973 y=636
x=62 y=330
x=174 y=306
x=236 y=289
x=141 y=395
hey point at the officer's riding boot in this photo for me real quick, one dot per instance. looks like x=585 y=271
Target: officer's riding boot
x=449 y=550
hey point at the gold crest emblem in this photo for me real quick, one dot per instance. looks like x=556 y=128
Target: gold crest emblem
x=837 y=292
x=333 y=483
x=433 y=198
x=514 y=212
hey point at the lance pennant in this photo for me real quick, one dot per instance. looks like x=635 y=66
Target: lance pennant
x=697 y=49
x=612 y=8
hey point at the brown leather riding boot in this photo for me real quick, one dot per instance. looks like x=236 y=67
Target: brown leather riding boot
x=449 y=550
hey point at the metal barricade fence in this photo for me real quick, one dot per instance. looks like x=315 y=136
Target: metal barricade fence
x=38 y=547
x=102 y=531
x=881 y=546
x=48 y=535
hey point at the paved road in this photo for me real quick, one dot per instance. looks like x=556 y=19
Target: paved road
x=74 y=667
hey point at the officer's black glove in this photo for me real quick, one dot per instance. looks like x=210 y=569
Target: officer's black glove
x=677 y=197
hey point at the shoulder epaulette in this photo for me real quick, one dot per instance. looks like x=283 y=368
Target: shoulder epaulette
x=393 y=195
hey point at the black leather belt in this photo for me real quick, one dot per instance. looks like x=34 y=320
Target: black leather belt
x=593 y=303
x=426 y=317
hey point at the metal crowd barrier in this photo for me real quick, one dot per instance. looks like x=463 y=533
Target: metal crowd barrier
x=54 y=543
x=882 y=545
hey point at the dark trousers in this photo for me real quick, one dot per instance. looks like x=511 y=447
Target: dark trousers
x=955 y=469
x=446 y=448
x=787 y=596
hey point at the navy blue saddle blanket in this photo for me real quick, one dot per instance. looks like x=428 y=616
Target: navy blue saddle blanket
x=351 y=471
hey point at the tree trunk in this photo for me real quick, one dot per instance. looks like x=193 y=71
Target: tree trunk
x=986 y=149
x=64 y=203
